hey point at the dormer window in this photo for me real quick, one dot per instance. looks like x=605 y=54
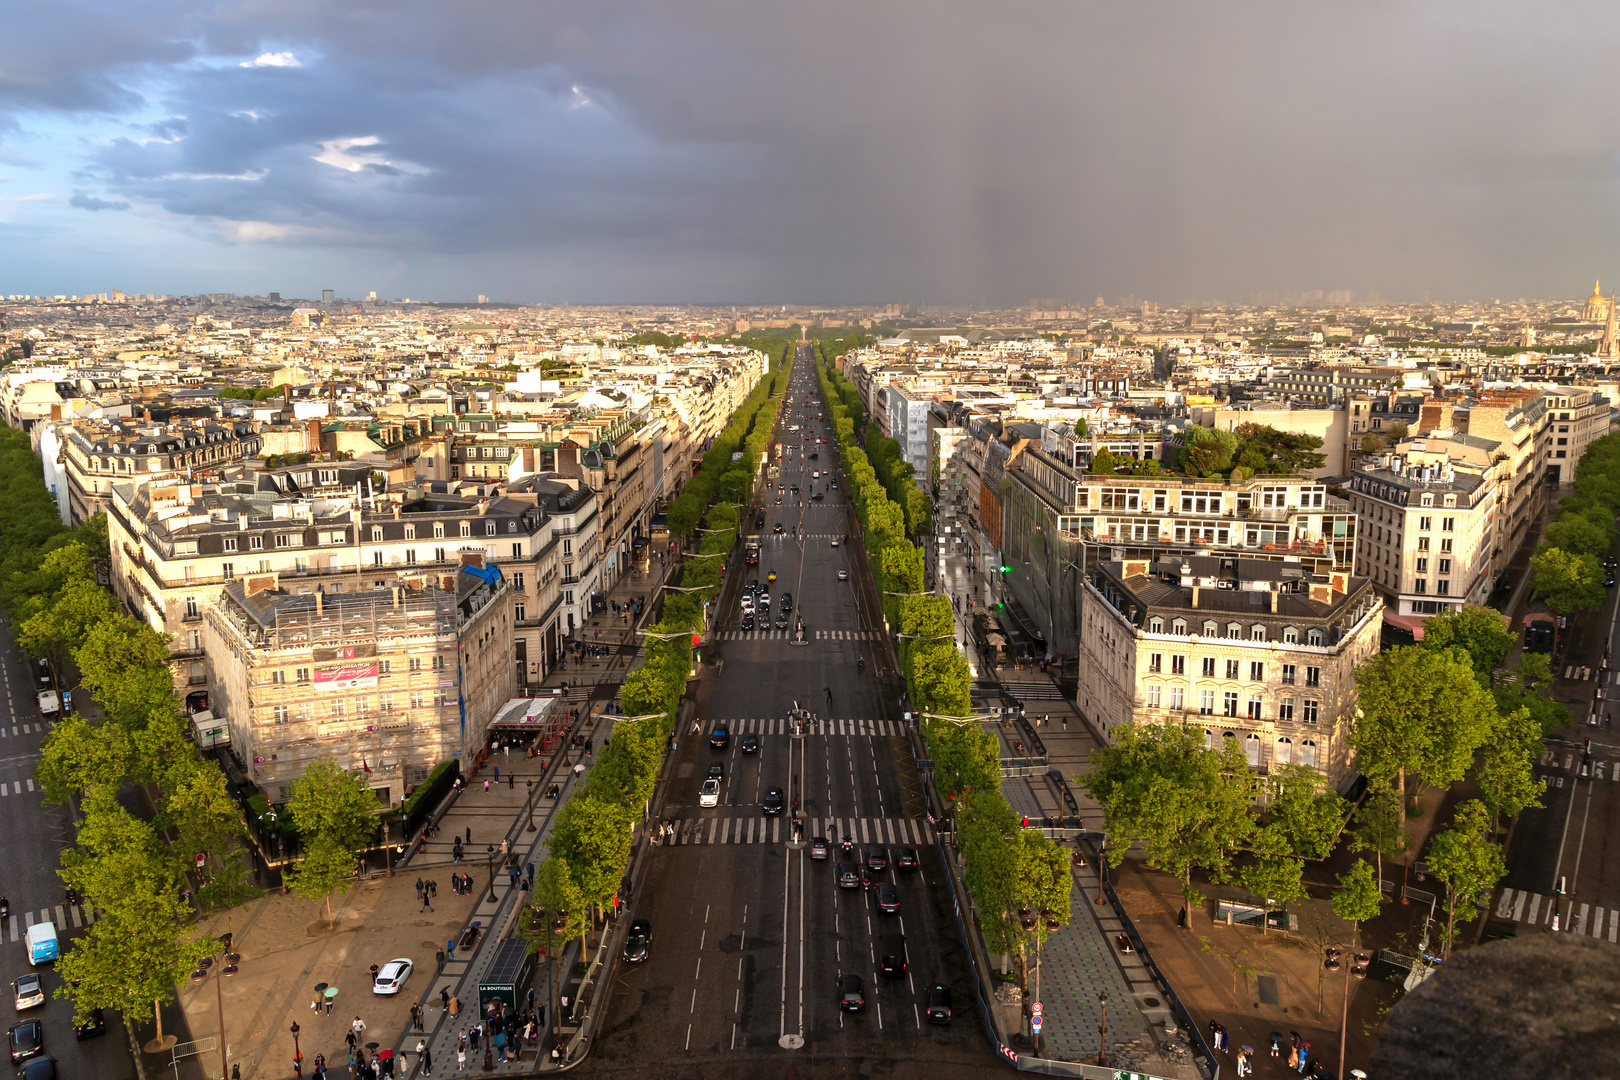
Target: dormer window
x=1179 y=628
x=1210 y=629
x=1290 y=635
x=1155 y=625
x=1451 y=501
x=466 y=529
x=438 y=530
x=1427 y=499
x=1234 y=631
x=1257 y=632
x=1314 y=638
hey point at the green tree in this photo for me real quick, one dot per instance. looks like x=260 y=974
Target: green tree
x=558 y=914
x=1529 y=690
x=1481 y=633
x=1505 y=773
x=1422 y=716
x=1398 y=431
x=333 y=802
x=1357 y=898
x=208 y=821
x=323 y=872
x=81 y=755
x=1305 y=811
x=1080 y=429
x=1371 y=444
x=1262 y=448
x=1566 y=581
x=988 y=834
x=1187 y=806
x=1465 y=858
x=966 y=758
x=593 y=836
x=1579 y=535
x=1379 y=827
x=1275 y=874
x=1103 y=463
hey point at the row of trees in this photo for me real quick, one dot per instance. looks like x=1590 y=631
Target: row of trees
x=1566 y=569
x=1428 y=718
x=131 y=870
x=590 y=842
x=1018 y=878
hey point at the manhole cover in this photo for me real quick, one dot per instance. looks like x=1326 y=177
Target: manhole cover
x=790 y=1042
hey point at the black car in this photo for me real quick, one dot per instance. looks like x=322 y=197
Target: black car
x=638 y=941
x=888 y=898
x=95 y=1025
x=819 y=848
x=814 y=456
x=782 y=620
x=720 y=738
x=759 y=521
x=786 y=601
x=849 y=876
x=40 y=1068
x=892 y=955
x=877 y=860
x=42 y=674
x=751 y=587
x=907 y=860
x=851 y=993
x=717 y=770
x=777 y=527
x=939 y=1004
x=773 y=802
x=817 y=497
x=27 y=1040
x=748 y=621
x=749 y=743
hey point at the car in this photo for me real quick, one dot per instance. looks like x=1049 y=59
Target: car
x=709 y=793
x=638 y=941
x=773 y=802
x=888 y=898
x=892 y=955
x=877 y=860
x=835 y=541
x=907 y=860
x=27 y=1040
x=748 y=621
x=849 y=876
x=764 y=601
x=42 y=674
x=719 y=738
x=40 y=1068
x=843 y=575
x=759 y=521
x=748 y=601
x=717 y=770
x=1609 y=580
x=786 y=601
x=752 y=586
x=817 y=497
x=392 y=976
x=95 y=1024
x=28 y=991
x=815 y=456
x=815 y=474
x=834 y=485
x=939 y=1004
x=851 y=993
x=819 y=848
x=782 y=620
x=750 y=743
x=777 y=528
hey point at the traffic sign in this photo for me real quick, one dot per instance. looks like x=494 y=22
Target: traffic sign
x=1035 y=1008
x=1035 y=1023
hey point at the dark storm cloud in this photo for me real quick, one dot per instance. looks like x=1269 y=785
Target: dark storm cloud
x=839 y=151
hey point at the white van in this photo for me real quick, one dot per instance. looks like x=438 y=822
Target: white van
x=42 y=946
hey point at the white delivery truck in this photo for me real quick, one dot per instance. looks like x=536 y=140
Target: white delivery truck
x=50 y=705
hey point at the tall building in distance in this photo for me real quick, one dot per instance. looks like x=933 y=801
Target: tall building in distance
x=327 y=296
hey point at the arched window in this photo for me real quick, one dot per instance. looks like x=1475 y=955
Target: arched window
x=1307 y=753
x=1210 y=742
x=1257 y=632
x=1314 y=637
x=1290 y=635
x=1251 y=749
x=1284 y=752
x=1155 y=625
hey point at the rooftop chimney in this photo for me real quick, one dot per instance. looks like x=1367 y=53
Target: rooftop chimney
x=1195 y=596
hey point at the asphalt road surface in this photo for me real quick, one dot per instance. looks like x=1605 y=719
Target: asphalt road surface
x=35 y=835
x=750 y=935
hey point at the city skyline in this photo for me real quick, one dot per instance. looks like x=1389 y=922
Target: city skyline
x=826 y=155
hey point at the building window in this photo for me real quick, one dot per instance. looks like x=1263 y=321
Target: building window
x=438 y=662
x=438 y=555
x=230 y=543
x=1257 y=632
x=1155 y=662
x=1234 y=631
x=1178 y=698
x=1422 y=566
x=1206 y=702
x=438 y=530
x=1290 y=635
x=1231 y=669
x=1179 y=628
x=1309 y=713
x=1313 y=676
x=1210 y=628
x=1425 y=523
x=334 y=707
x=466 y=528
x=1284 y=752
x=1445 y=545
x=415 y=663
x=1427 y=499
x=418 y=700
x=385 y=703
x=1442 y=587
x=1445 y=566
x=517 y=582
x=1257 y=671
x=1420 y=586
x=519 y=612
x=280 y=714
x=410 y=556
x=1285 y=709
x=1314 y=638
x=1448 y=524
x=1307 y=753
x=1229 y=703
x=376 y=536
x=1257 y=706
x=1288 y=671
x=517 y=551
x=255 y=543
x=489 y=528
x=1155 y=625
x=1154 y=692
x=1209 y=667
x=1423 y=543
x=191 y=607
x=1178 y=665
x=227 y=570
x=302 y=675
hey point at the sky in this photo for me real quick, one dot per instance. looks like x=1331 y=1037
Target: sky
x=826 y=152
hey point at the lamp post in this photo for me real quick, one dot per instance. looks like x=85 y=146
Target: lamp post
x=298 y=1055
x=1102 y=1046
x=491 y=858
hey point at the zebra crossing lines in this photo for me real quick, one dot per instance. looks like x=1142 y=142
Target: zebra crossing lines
x=761 y=830
x=63 y=914
x=1563 y=761
x=779 y=726
x=787 y=635
x=22 y=729
x=1534 y=909
x=847 y=635
x=1032 y=689
x=9 y=788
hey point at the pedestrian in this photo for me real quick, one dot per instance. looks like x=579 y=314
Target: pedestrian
x=469 y=834
x=450 y=950
x=316 y=1004
x=461 y=1059
x=419 y=888
x=1244 y=1068
x=433 y=887
x=427 y=901
x=497 y=775
x=1181 y=919
x=352 y=1039
x=486 y=785
x=472 y=1036
x=1065 y=720
x=359 y=1026
x=416 y=1016
x=330 y=1001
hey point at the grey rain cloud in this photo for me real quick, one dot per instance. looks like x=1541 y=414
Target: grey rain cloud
x=90 y=202
x=944 y=151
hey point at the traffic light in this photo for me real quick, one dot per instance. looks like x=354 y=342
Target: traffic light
x=1006 y=569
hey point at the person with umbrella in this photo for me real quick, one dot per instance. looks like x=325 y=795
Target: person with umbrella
x=1275 y=1039
x=1244 y=1066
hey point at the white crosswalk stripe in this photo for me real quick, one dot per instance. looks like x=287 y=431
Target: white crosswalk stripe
x=909 y=832
x=846 y=635
x=17 y=788
x=844 y=727
x=1534 y=909
x=1032 y=689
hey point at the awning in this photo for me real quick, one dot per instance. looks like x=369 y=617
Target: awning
x=1412 y=624
x=1540 y=617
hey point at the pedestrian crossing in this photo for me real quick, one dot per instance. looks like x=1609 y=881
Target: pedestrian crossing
x=780 y=726
x=1534 y=909
x=787 y=635
x=909 y=832
x=1032 y=689
x=23 y=729
x=1569 y=761
x=63 y=915
x=9 y=787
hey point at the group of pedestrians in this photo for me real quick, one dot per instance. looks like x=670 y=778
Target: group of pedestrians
x=503 y=1033
x=425 y=892
x=1300 y=1056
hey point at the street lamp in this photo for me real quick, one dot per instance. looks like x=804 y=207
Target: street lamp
x=298 y=1055
x=491 y=858
x=1102 y=1048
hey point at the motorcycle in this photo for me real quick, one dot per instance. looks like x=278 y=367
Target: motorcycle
x=847 y=847
x=5 y=908
x=866 y=880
